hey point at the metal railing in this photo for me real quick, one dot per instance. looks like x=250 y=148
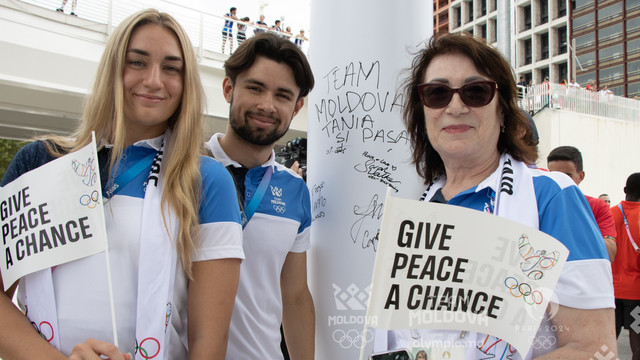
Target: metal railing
x=204 y=29
x=556 y=96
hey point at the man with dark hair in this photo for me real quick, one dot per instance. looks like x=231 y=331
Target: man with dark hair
x=266 y=81
x=568 y=160
x=227 y=30
x=626 y=267
x=276 y=26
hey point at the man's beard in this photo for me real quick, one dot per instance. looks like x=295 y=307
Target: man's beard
x=255 y=136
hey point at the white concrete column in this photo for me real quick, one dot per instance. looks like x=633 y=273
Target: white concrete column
x=357 y=147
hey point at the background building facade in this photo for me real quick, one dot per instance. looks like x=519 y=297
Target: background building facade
x=531 y=33
x=606 y=35
x=585 y=40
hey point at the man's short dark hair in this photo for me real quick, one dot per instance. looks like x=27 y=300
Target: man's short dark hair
x=232 y=9
x=272 y=47
x=632 y=188
x=566 y=153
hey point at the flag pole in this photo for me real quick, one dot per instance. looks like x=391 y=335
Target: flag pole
x=106 y=256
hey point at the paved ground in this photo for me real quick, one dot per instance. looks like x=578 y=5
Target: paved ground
x=624 y=351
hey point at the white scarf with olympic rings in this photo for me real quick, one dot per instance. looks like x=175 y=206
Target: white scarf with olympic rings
x=156 y=277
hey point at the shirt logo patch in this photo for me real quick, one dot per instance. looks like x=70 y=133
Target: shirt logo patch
x=276 y=191
x=277 y=203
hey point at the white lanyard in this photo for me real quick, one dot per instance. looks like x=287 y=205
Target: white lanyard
x=626 y=225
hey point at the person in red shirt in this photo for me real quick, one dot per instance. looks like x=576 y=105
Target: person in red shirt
x=626 y=267
x=568 y=160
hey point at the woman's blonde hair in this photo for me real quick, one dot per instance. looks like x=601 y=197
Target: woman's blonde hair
x=104 y=114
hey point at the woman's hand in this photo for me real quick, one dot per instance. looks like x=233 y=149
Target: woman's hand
x=94 y=350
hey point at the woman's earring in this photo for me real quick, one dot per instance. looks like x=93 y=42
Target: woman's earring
x=502 y=127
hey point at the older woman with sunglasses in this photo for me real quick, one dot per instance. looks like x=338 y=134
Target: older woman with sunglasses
x=471 y=145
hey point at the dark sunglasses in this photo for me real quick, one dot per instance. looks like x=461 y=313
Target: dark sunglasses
x=475 y=94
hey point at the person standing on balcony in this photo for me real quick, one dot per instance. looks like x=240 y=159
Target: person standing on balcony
x=73 y=7
x=287 y=33
x=300 y=38
x=545 y=91
x=261 y=25
x=172 y=217
x=277 y=26
x=227 y=30
x=266 y=80
x=242 y=30
x=605 y=91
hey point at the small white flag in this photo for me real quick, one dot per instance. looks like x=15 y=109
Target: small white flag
x=52 y=215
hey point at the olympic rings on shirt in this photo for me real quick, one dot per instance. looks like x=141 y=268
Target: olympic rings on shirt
x=352 y=338
x=544 y=342
x=523 y=290
x=90 y=201
x=143 y=352
x=42 y=330
x=279 y=209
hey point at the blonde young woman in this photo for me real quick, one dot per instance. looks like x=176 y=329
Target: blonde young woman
x=174 y=228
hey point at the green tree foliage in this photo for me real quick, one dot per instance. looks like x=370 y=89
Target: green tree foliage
x=8 y=149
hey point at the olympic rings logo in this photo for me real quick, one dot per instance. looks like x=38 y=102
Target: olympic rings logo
x=524 y=290
x=352 y=338
x=39 y=328
x=90 y=201
x=43 y=330
x=144 y=351
x=544 y=342
x=279 y=209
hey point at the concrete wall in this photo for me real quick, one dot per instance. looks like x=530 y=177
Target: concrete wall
x=610 y=148
x=48 y=65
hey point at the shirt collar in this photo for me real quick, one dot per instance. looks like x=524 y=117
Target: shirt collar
x=218 y=153
x=153 y=143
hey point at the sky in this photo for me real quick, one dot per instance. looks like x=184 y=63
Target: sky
x=294 y=13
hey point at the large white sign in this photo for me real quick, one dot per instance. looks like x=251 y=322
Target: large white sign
x=358 y=147
x=448 y=267
x=52 y=215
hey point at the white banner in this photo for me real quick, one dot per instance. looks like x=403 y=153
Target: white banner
x=357 y=147
x=448 y=267
x=52 y=215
